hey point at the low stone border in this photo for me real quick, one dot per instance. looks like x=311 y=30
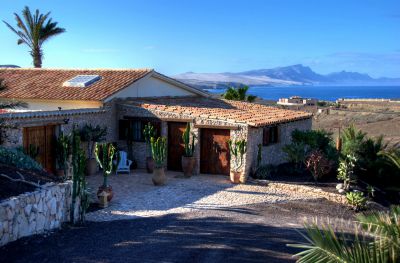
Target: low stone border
x=306 y=190
x=35 y=212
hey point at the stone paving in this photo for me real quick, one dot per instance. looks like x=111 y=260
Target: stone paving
x=136 y=196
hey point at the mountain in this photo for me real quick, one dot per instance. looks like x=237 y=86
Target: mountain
x=9 y=66
x=297 y=73
x=280 y=76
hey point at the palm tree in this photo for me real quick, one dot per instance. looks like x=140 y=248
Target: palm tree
x=239 y=93
x=34 y=30
x=393 y=156
x=377 y=239
x=352 y=140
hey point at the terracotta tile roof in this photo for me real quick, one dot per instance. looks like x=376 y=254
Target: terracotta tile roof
x=253 y=114
x=48 y=114
x=48 y=83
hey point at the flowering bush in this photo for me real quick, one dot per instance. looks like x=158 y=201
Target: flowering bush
x=318 y=165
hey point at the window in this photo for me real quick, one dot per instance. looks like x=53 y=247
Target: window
x=133 y=128
x=270 y=135
x=82 y=81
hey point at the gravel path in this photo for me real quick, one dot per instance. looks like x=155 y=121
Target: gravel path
x=135 y=195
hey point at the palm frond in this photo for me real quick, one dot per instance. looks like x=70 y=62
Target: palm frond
x=378 y=241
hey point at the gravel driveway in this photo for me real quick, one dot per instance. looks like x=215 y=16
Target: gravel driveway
x=136 y=196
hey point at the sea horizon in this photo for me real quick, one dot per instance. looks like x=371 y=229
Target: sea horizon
x=327 y=93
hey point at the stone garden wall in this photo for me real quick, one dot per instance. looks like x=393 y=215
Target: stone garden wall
x=35 y=212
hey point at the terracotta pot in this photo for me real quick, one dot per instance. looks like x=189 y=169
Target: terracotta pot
x=159 y=177
x=91 y=166
x=149 y=164
x=235 y=177
x=188 y=164
x=108 y=190
x=60 y=172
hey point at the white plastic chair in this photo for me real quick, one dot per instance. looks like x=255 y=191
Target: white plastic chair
x=124 y=164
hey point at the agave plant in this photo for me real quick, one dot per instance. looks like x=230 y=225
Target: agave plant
x=378 y=241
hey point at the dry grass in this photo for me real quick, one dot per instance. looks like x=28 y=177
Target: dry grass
x=375 y=120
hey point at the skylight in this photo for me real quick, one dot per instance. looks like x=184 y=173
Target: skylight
x=81 y=81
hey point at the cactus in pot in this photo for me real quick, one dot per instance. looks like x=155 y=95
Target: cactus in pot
x=149 y=132
x=159 y=151
x=104 y=153
x=237 y=149
x=188 y=161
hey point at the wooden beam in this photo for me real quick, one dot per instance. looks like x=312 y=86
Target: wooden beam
x=222 y=127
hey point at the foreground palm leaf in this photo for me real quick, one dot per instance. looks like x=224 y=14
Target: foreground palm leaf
x=33 y=31
x=378 y=242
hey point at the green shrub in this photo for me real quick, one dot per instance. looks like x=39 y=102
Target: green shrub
x=296 y=153
x=315 y=140
x=17 y=158
x=371 y=166
x=305 y=142
x=264 y=172
x=346 y=171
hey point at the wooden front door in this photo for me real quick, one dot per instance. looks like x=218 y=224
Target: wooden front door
x=42 y=140
x=175 y=145
x=214 y=151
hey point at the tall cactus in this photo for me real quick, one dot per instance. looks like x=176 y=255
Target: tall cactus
x=159 y=150
x=104 y=153
x=237 y=149
x=149 y=132
x=79 y=185
x=189 y=145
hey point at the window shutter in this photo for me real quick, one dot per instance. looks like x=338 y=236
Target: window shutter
x=123 y=129
x=266 y=136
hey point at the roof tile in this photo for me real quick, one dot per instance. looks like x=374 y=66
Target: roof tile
x=48 y=83
x=233 y=111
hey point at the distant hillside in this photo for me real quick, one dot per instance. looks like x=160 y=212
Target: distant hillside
x=290 y=75
x=9 y=66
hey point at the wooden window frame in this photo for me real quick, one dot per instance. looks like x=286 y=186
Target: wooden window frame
x=138 y=123
x=270 y=135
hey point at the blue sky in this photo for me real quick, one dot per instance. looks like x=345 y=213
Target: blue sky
x=215 y=36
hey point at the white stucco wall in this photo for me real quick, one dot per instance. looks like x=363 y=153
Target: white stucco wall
x=151 y=87
x=48 y=105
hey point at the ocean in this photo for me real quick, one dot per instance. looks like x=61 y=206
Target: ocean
x=328 y=93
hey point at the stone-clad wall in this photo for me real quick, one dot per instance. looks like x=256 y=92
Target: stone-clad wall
x=35 y=212
x=107 y=118
x=273 y=154
x=139 y=148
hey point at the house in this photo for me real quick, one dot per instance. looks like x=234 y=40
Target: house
x=126 y=100
x=297 y=101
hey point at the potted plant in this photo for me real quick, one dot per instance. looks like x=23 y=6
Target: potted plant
x=237 y=149
x=188 y=161
x=104 y=153
x=149 y=132
x=91 y=135
x=159 y=151
x=61 y=154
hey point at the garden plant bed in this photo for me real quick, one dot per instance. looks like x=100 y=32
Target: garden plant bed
x=9 y=188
